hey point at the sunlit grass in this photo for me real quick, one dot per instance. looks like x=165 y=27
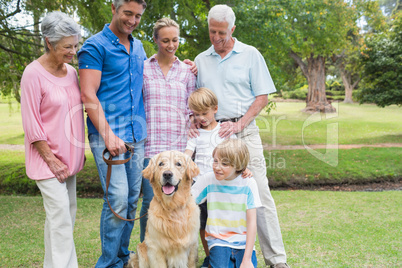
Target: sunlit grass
x=351 y=124
x=319 y=229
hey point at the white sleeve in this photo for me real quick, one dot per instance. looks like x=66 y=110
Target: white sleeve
x=199 y=189
x=191 y=144
x=254 y=200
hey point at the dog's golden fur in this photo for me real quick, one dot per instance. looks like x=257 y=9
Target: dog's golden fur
x=171 y=237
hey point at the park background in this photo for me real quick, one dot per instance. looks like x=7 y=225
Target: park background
x=334 y=123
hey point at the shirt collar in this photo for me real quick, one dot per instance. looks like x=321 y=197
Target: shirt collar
x=237 y=48
x=153 y=58
x=111 y=36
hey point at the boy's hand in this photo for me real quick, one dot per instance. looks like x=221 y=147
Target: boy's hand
x=246 y=174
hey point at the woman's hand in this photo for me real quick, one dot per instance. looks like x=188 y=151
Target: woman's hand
x=194 y=126
x=59 y=169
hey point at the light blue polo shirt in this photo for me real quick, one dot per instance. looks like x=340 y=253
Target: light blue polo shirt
x=236 y=79
x=120 y=90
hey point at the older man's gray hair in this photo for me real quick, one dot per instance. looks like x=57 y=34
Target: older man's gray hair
x=57 y=25
x=222 y=13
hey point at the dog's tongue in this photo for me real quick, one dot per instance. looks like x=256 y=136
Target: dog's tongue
x=168 y=189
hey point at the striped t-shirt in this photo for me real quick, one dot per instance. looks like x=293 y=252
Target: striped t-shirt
x=227 y=203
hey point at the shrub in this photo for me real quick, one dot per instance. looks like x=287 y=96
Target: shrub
x=299 y=93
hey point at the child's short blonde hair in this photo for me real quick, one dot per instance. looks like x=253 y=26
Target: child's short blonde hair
x=202 y=99
x=234 y=153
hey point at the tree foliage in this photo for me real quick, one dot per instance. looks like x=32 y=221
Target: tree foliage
x=382 y=61
x=16 y=48
x=306 y=31
x=20 y=43
x=190 y=15
x=295 y=37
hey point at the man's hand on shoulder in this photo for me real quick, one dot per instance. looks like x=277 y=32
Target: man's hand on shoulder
x=193 y=67
x=229 y=128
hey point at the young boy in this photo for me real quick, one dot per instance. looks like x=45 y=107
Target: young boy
x=204 y=105
x=232 y=202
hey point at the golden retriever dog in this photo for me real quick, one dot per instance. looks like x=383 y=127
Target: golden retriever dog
x=171 y=237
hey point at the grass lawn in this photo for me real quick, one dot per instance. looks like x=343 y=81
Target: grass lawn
x=351 y=124
x=320 y=229
x=284 y=168
x=11 y=131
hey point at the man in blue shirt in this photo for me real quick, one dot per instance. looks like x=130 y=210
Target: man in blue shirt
x=111 y=76
x=238 y=75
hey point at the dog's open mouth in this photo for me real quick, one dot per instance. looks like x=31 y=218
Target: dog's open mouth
x=169 y=189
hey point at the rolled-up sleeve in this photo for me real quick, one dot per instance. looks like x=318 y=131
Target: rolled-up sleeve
x=90 y=56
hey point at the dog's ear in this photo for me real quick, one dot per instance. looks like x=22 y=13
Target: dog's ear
x=149 y=170
x=192 y=169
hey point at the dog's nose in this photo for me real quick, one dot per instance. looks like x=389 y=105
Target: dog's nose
x=167 y=175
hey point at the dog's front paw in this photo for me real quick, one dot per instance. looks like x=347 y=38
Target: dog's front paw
x=133 y=261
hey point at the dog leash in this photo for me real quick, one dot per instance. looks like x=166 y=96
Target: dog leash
x=110 y=162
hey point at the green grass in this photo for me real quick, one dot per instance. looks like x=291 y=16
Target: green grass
x=11 y=131
x=353 y=124
x=356 y=124
x=320 y=229
x=284 y=168
x=13 y=179
x=300 y=167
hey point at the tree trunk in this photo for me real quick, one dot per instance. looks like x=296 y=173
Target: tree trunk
x=316 y=97
x=37 y=38
x=348 y=87
x=347 y=82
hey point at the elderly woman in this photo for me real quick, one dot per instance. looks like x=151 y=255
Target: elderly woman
x=53 y=123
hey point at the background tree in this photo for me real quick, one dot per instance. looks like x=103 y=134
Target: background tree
x=190 y=15
x=16 y=47
x=307 y=31
x=382 y=61
x=20 y=41
x=348 y=62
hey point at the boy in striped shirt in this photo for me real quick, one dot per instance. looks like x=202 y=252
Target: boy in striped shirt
x=232 y=202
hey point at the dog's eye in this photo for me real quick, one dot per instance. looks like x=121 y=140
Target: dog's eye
x=161 y=164
x=178 y=164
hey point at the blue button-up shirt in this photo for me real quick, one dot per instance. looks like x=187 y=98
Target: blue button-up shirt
x=120 y=90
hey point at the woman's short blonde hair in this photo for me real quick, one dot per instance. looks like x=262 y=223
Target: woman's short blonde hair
x=202 y=99
x=164 y=22
x=234 y=153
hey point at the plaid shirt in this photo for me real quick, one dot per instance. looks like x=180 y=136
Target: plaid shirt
x=166 y=108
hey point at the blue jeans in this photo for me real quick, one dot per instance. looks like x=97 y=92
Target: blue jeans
x=147 y=195
x=124 y=191
x=225 y=257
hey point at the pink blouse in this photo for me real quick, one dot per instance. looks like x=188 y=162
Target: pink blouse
x=166 y=106
x=51 y=110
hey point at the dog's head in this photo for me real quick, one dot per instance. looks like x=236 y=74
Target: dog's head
x=170 y=173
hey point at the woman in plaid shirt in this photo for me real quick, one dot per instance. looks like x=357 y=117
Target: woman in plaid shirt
x=167 y=84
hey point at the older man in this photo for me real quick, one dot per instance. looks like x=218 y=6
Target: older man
x=111 y=72
x=238 y=75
